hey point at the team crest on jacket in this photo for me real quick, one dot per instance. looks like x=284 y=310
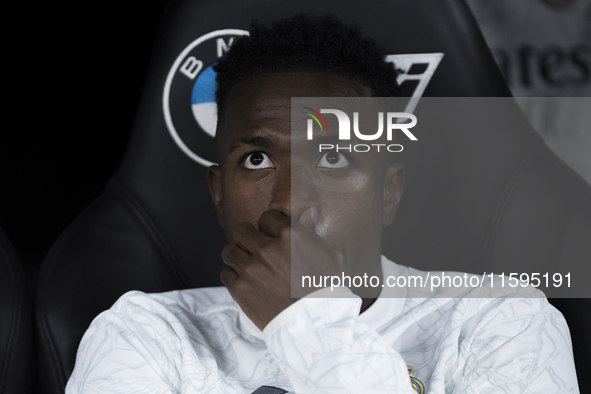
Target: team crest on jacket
x=188 y=101
x=416 y=383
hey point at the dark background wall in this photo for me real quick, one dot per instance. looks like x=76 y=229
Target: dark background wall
x=73 y=77
x=544 y=49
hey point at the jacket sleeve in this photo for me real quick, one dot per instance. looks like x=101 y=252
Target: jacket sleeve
x=510 y=346
x=119 y=354
x=523 y=347
x=322 y=347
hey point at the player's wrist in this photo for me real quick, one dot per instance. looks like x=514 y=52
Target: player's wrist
x=309 y=303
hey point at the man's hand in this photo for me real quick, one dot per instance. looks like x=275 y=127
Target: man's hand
x=259 y=261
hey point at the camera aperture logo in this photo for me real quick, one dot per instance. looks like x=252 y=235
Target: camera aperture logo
x=316 y=119
x=392 y=122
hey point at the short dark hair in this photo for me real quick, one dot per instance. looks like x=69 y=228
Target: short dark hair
x=307 y=43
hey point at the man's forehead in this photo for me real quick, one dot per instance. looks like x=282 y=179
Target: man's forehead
x=261 y=104
x=277 y=89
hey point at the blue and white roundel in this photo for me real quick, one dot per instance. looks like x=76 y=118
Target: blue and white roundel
x=188 y=98
x=203 y=101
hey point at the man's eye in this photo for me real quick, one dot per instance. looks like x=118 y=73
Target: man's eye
x=332 y=159
x=257 y=161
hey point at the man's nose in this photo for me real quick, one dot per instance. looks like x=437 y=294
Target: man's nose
x=281 y=199
x=294 y=192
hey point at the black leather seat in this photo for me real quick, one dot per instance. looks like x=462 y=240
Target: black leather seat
x=154 y=229
x=17 y=358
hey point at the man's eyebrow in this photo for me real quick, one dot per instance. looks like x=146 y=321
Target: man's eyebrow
x=259 y=141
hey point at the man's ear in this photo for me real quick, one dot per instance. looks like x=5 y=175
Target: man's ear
x=393 y=185
x=214 y=181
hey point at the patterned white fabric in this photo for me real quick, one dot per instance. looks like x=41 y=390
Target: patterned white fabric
x=199 y=341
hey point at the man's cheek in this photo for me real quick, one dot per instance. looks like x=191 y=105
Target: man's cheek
x=343 y=219
x=243 y=207
x=334 y=219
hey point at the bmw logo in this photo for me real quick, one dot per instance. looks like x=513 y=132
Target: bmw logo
x=190 y=111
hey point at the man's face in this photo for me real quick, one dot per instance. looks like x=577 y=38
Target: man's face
x=354 y=195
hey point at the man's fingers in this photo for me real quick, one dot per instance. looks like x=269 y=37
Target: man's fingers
x=229 y=277
x=235 y=257
x=273 y=222
x=309 y=218
x=247 y=237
